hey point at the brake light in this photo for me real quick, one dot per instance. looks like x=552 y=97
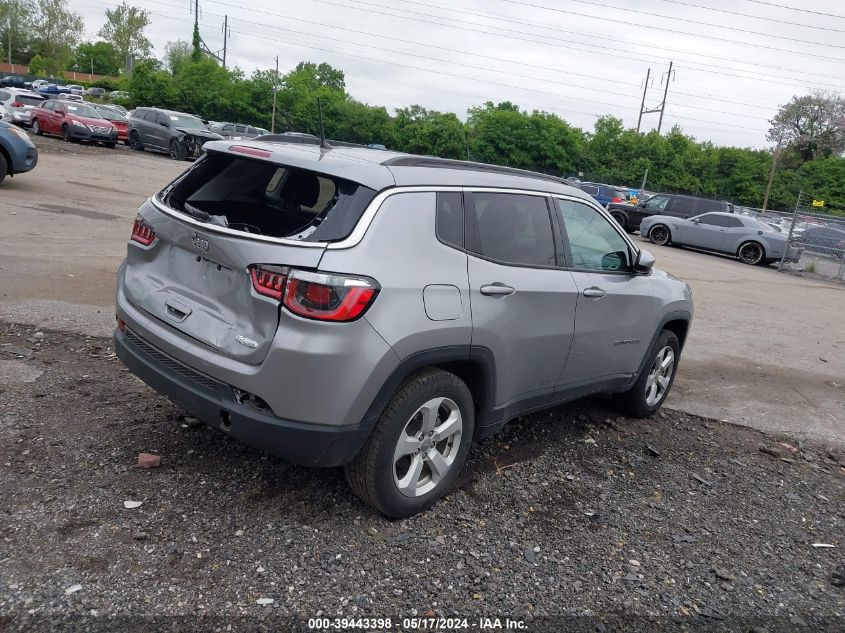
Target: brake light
x=142 y=233
x=328 y=297
x=268 y=280
x=616 y=199
x=17 y=104
x=250 y=151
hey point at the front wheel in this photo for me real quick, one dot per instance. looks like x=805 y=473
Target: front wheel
x=751 y=253
x=4 y=168
x=177 y=150
x=653 y=385
x=417 y=447
x=66 y=134
x=659 y=234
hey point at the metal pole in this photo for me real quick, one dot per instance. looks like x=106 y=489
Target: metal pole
x=665 y=92
x=645 y=177
x=771 y=175
x=12 y=7
x=225 y=37
x=642 y=103
x=275 y=90
x=791 y=229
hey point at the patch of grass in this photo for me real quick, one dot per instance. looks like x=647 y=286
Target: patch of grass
x=811 y=268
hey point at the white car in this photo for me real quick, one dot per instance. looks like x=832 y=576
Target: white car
x=39 y=83
x=20 y=103
x=75 y=89
x=5 y=115
x=63 y=96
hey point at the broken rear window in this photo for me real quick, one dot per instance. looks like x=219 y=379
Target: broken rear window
x=266 y=198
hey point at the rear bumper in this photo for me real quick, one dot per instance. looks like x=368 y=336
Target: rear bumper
x=214 y=403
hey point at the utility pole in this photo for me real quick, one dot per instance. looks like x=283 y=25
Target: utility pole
x=225 y=37
x=275 y=90
x=91 y=76
x=12 y=7
x=775 y=155
x=642 y=103
x=665 y=92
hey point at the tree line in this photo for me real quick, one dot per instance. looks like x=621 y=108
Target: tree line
x=809 y=131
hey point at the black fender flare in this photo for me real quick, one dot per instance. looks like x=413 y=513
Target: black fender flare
x=484 y=391
x=677 y=315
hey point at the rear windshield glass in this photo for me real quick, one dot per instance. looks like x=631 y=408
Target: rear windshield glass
x=29 y=99
x=266 y=198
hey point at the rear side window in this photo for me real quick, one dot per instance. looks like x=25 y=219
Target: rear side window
x=709 y=206
x=265 y=198
x=4 y=96
x=511 y=229
x=450 y=218
x=151 y=116
x=29 y=100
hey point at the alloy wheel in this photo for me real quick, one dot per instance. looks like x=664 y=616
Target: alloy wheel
x=427 y=447
x=659 y=376
x=750 y=254
x=659 y=235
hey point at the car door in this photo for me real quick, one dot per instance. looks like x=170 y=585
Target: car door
x=522 y=301
x=56 y=117
x=704 y=231
x=734 y=233
x=616 y=310
x=148 y=127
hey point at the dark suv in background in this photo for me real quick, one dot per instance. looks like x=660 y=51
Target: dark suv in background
x=180 y=135
x=674 y=205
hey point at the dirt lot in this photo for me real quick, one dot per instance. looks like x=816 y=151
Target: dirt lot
x=675 y=522
x=679 y=522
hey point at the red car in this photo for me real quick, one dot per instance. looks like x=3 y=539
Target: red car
x=118 y=119
x=73 y=121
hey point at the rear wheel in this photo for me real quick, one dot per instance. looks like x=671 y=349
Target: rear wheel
x=177 y=150
x=659 y=234
x=417 y=447
x=4 y=167
x=620 y=220
x=36 y=128
x=135 y=141
x=650 y=391
x=751 y=253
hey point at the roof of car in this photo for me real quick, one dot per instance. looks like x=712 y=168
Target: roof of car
x=380 y=168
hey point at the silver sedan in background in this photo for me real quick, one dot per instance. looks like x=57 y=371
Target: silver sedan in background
x=749 y=240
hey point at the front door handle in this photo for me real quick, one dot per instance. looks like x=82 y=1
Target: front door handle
x=497 y=290
x=594 y=292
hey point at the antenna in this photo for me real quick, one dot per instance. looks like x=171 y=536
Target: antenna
x=323 y=142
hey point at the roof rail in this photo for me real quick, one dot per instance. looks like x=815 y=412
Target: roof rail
x=448 y=163
x=305 y=140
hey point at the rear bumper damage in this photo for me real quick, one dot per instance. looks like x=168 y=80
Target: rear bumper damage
x=221 y=406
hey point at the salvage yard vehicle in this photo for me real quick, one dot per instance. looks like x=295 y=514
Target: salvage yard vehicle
x=20 y=104
x=176 y=133
x=381 y=311
x=675 y=205
x=17 y=153
x=118 y=120
x=749 y=240
x=73 y=122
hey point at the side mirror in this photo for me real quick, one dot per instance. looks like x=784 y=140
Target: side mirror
x=645 y=262
x=164 y=123
x=696 y=221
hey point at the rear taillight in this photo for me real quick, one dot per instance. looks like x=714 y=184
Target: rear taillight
x=142 y=233
x=17 y=104
x=325 y=297
x=616 y=200
x=269 y=280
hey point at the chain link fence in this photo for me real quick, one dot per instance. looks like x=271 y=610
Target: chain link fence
x=818 y=237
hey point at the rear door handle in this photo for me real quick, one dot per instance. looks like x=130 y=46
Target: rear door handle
x=497 y=290
x=594 y=292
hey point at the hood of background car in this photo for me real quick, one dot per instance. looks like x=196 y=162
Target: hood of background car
x=206 y=134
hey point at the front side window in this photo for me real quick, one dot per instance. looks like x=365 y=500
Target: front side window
x=593 y=242
x=511 y=229
x=657 y=203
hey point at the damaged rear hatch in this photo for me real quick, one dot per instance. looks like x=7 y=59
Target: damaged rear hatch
x=199 y=246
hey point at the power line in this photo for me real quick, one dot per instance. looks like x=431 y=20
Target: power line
x=756 y=17
x=501 y=18
x=677 y=32
x=532 y=38
x=783 y=6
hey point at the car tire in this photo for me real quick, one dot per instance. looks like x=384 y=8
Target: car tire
x=66 y=134
x=398 y=483
x=135 y=142
x=647 y=395
x=660 y=234
x=110 y=145
x=177 y=150
x=36 y=128
x=751 y=253
x=620 y=220
x=4 y=168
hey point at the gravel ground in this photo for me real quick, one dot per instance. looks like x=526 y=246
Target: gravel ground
x=674 y=522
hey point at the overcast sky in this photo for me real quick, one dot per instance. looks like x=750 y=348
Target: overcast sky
x=578 y=59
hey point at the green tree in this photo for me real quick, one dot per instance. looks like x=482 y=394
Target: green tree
x=101 y=56
x=124 y=29
x=56 y=30
x=149 y=85
x=196 y=45
x=421 y=131
x=812 y=125
x=16 y=17
x=175 y=55
x=45 y=67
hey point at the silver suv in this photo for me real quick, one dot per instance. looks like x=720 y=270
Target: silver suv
x=380 y=311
